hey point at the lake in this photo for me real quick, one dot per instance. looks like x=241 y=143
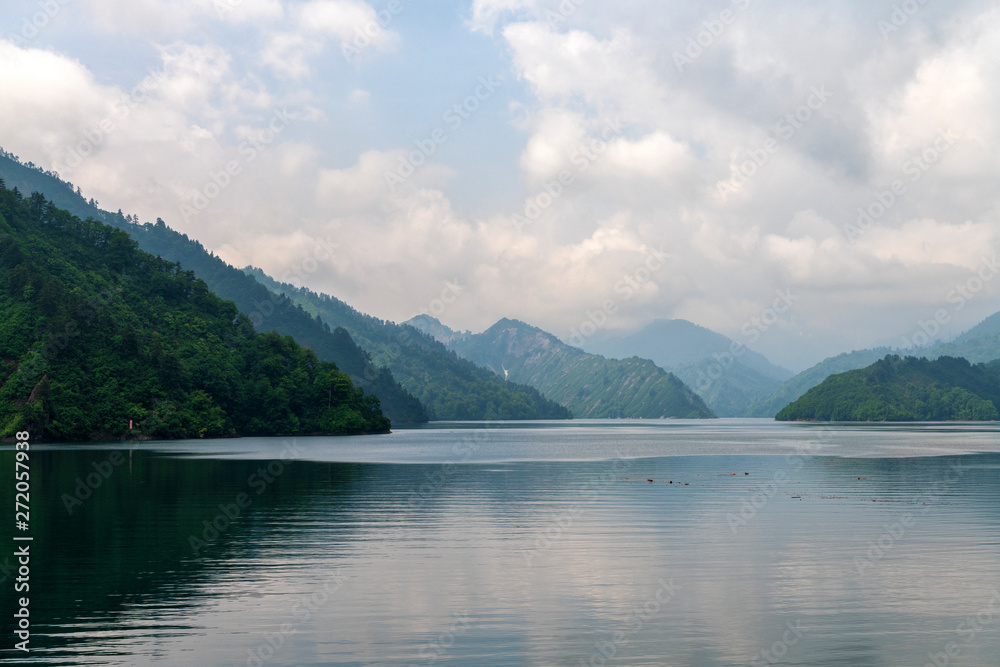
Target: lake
x=724 y=542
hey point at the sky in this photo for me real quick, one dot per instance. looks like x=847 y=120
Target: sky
x=806 y=178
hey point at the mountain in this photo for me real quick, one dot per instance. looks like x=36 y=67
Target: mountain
x=267 y=311
x=99 y=340
x=727 y=375
x=452 y=388
x=979 y=344
x=986 y=328
x=792 y=389
x=728 y=387
x=589 y=385
x=904 y=389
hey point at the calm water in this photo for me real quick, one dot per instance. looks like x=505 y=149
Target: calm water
x=520 y=545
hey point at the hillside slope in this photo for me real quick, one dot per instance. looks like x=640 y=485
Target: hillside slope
x=728 y=376
x=792 y=389
x=101 y=340
x=267 y=311
x=589 y=385
x=904 y=389
x=450 y=386
x=447 y=387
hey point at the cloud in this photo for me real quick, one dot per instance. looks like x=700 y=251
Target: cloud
x=353 y=26
x=486 y=14
x=347 y=20
x=169 y=18
x=616 y=152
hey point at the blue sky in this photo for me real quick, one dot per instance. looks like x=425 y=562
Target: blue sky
x=742 y=139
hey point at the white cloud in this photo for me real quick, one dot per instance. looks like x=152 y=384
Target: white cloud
x=289 y=54
x=347 y=20
x=354 y=26
x=653 y=182
x=486 y=14
x=167 y=18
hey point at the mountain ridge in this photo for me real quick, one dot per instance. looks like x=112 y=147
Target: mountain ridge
x=269 y=309
x=101 y=340
x=587 y=384
x=903 y=389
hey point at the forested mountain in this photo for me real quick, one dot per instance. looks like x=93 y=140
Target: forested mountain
x=792 y=389
x=979 y=344
x=97 y=336
x=728 y=376
x=728 y=387
x=450 y=386
x=267 y=311
x=904 y=389
x=589 y=385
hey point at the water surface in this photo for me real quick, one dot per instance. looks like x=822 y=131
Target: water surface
x=621 y=543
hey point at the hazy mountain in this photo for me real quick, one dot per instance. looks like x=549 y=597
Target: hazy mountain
x=452 y=388
x=910 y=389
x=589 y=385
x=728 y=376
x=990 y=325
x=978 y=344
x=730 y=390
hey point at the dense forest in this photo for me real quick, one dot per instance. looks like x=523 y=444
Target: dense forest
x=589 y=385
x=99 y=339
x=904 y=389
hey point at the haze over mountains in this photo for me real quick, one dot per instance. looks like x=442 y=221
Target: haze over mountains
x=728 y=375
x=589 y=385
x=425 y=370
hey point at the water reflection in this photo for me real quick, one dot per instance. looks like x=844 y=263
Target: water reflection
x=806 y=560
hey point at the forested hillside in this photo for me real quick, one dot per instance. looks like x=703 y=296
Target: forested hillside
x=727 y=375
x=267 y=311
x=588 y=384
x=99 y=339
x=904 y=389
x=792 y=389
x=427 y=374
x=450 y=386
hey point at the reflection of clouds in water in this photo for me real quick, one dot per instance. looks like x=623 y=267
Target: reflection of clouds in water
x=580 y=440
x=409 y=571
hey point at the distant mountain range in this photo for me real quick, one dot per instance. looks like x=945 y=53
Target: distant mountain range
x=977 y=345
x=727 y=375
x=589 y=385
x=737 y=382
